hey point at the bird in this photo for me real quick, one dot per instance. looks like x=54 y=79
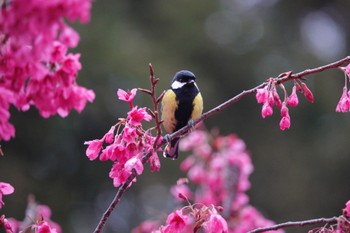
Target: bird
x=182 y=103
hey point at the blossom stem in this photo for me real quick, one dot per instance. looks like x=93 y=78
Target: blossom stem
x=332 y=220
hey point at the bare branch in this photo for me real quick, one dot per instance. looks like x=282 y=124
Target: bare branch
x=332 y=220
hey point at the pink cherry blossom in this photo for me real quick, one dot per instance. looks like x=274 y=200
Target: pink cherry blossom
x=216 y=224
x=344 y=102
x=307 y=93
x=293 y=98
x=109 y=136
x=127 y=96
x=136 y=115
x=94 y=148
x=181 y=189
x=45 y=228
x=261 y=95
x=120 y=172
x=346 y=210
x=285 y=123
x=284 y=110
x=277 y=98
x=154 y=162
x=266 y=110
x=176 y=222
x=5 y=189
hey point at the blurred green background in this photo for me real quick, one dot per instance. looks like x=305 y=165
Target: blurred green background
x=231 y=45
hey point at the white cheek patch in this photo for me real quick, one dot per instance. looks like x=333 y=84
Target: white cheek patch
x=177 y=85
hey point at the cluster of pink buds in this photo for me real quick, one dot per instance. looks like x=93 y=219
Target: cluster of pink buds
x=269 y=97
x=126 y=143
x=344 y=102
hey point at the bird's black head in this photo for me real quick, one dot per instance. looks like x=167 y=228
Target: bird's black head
x=182 y=78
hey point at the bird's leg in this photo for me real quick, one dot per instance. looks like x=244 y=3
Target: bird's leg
x=191 y=124
x=166 y=138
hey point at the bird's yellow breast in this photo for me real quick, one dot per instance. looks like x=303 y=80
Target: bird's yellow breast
x=169 y=106
x=197 y=107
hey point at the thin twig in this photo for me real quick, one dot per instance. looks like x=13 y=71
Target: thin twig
x=332 y=220
x=115 y=202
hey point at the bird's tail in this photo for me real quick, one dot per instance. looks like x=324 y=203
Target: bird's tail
x=172 y=149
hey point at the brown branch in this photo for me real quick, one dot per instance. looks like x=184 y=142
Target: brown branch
x=115 y=202
x=252 y=91
x=219 y=108
x=332 y=220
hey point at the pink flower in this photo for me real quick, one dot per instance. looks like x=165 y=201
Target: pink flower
x=45 y=228
x=346 y=210
x=344 y=102
x=181 y=189
x=266 y=110
x=271 y=98
x=134 y=163
x=284 y=110
x=129 y=134
x=94 y=148
x=285 y=123
x=69 y=37
x=176 y=222
x=127 y=96
x=154 y=162
x=216 y=224
x=109 y=136
x=120 y=172
x=5 y=189
x=261 y=95
x=136 y=115
x=293 y=98
x=277 y=99
x=307 y=93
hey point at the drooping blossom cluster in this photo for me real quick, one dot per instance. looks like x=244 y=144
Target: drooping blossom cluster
x=218 y=169
x=126 y=143
x=37 y=219
x=35 y=68
x=269 y=97
x=344 y=102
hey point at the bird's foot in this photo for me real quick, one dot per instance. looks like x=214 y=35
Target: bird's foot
x=191 y=125
x=166 y=138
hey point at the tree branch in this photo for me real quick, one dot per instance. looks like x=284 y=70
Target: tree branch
x=332 y=220
x=115 y=202
x=219 y=108
x=252 y=91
